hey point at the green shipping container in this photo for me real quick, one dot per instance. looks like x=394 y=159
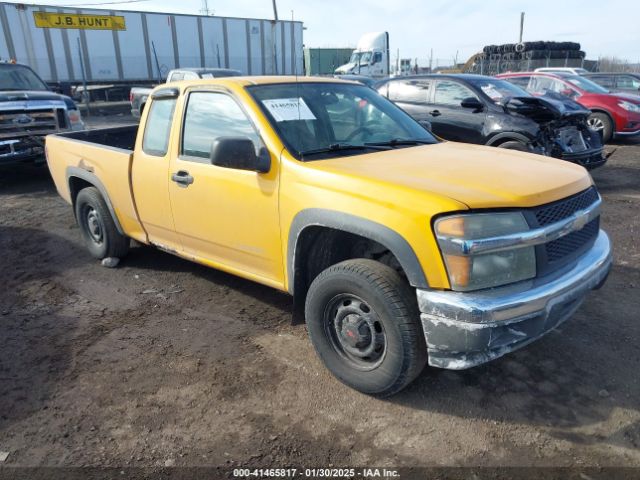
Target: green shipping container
x=323 y=61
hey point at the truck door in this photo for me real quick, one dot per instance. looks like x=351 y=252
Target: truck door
x=150 y=173
x=449 y=119
x=226 y=217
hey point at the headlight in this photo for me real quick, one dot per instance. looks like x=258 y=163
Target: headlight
x=75 y=119
x=472 y=271
x=629 y=107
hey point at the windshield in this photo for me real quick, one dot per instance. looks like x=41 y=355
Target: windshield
x=355 y=57
x=18 y=77
x=313 y=117
x=584 y=84
x=362 y=58
x=498 y=90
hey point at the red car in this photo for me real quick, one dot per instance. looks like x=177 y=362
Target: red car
x=612 y=113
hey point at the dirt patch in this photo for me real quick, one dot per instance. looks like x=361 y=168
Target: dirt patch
x=161 y=361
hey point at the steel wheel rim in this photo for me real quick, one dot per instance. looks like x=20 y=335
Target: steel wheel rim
x=94 y=225
x=355 y=332
x=595 y=124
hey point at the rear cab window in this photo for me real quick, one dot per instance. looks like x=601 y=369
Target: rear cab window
x=158 y=127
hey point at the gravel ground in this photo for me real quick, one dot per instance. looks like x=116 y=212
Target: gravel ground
x=164 y=362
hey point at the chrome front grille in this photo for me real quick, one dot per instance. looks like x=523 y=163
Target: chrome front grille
x=562 y=209
x=564 y=246
x=560 y=252
x=23 y=123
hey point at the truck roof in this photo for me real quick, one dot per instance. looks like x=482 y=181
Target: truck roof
x=259 y=80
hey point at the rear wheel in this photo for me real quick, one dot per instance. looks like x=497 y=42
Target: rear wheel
x=363 y=321
x=514 y=145
x=601 y=123
x=97 y=226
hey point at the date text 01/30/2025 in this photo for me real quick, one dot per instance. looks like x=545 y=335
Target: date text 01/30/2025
x=315 y=473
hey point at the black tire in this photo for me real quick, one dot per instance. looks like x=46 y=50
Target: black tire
x=601 y=123
x=370 y=303
x=515 y=145
x=97 y=226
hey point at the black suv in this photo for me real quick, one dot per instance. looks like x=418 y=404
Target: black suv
x=489 y=111
x=616 y=82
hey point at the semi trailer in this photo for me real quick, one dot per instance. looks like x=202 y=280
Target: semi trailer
x=129 y=47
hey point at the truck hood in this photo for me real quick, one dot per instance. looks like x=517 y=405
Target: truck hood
x=11 y=99
x=479 y=177
x=545 y=109
x=346 y=68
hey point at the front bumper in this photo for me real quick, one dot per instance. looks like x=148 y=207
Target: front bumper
x=18 y=150
x=589 y=159
x=463 y=330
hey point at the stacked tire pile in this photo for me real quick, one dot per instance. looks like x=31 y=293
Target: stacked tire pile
x=512 y=57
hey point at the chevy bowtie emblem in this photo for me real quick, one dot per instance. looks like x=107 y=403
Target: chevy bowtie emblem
x=23 y=119
x=580 y=222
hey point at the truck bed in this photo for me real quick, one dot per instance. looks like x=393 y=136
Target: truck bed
x=123 y=138
x=101 y=158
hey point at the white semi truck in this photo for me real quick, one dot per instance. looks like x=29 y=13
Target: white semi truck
x=370 y=58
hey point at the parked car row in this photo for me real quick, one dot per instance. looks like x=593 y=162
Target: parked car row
x=612 y=113
x=560 y=113
x=489 y=111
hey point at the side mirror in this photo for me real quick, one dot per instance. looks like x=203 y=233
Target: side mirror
x=239 y=153
x=473 y=103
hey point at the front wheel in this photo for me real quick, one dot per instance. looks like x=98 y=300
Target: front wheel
x=364 y=323
x=97 y=226
x=601 y=123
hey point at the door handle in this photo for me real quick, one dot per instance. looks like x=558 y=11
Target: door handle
x=435 y=113
x=182 y=178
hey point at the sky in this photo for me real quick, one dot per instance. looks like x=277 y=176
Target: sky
x=449 y=27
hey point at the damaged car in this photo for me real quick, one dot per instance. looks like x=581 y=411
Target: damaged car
x=488 y=111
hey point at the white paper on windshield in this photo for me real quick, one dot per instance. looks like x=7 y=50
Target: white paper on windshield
x=491 y=92
x=207 y=75
x=285 y=109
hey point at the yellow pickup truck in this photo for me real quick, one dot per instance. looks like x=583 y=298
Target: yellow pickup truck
x=398 y=249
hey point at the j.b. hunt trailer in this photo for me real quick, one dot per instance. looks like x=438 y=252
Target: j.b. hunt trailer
x=125 y=46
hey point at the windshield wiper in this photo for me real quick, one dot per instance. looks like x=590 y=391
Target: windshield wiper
x=342 y=147
x=399 y=142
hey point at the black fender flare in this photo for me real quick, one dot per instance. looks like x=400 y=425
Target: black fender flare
x=508 y=136
x=393 y=241
x=90 y=177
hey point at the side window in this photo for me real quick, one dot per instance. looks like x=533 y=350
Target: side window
x=519 y=81
x=451 y=93
x=189 y=76
x=211 y=115
x=377 y=57
x=604 y=80
x=158 y=127
x=627 y=81
x=412 y=91
x=175 y=77
x=542 y=85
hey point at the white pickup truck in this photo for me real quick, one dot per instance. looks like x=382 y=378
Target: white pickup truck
x=138 y=96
